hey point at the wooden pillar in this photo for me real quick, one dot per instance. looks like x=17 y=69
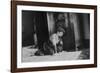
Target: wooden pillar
x=51 y=23
x=75 y=24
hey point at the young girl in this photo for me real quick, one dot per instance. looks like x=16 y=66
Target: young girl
x=53 y=45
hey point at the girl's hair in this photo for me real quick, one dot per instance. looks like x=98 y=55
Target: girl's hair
x=60 y=29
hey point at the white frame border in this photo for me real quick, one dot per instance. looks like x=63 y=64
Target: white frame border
x=56 y=63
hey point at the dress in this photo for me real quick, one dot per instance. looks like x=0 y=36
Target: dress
x=49 y=48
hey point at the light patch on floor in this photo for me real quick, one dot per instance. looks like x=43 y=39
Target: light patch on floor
x=28 y=56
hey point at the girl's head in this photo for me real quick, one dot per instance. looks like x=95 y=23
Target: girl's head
x=60 y=31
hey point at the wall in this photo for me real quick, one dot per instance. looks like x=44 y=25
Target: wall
x=5 y=37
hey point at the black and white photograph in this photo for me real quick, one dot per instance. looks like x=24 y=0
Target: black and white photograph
x=52 y=36
x=55 y=36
